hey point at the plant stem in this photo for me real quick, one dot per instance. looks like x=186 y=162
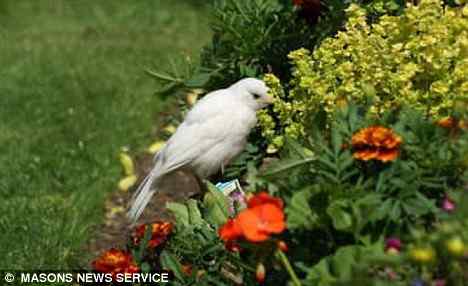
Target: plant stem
x=289 y=269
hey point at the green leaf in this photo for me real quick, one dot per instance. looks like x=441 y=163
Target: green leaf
x=395 y=212
x=168 y=88
x=299 y=213
x=248 y=71
x=170 y=262
x=295 y=148
x=216 y=207
x=285 y=165
x=417 y=206
x=198 y=80
x=337 y=140
x=342 y=266
x=381 y=211
x=145 y=267
x=195 y=216
x=341 y=218
x=181 y=213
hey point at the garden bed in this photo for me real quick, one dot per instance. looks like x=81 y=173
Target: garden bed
x=368 y=143
x=115 y=230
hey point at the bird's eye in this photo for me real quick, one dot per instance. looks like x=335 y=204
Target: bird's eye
x=256 y=96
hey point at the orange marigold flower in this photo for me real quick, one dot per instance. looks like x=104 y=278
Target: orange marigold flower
x=160 y=232
x=447 y=122
x=259 y=222
x=376 y=142
x=264 y=198
x=187 y=269
x=115 y=261
x=450 y=122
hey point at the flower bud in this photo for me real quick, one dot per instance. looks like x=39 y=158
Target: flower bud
x=187 y=269
x=393 y=245
x=282 y=246
x=127 y=164
x=192 y=96
x=260 y=273
x=448 y=204
x=455 y=246
x=422 y=254
x=155 y=147
x=170 y=129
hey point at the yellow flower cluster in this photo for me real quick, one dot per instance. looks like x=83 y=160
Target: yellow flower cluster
x=418 y=59
x=288 y=114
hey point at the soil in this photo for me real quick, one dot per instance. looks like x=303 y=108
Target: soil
x=115 y=230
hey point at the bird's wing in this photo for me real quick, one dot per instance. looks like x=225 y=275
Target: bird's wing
x=209 y=123
x=212 y=104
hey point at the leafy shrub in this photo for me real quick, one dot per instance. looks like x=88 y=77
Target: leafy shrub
x=337 y=178
x=253 y=37
x=196 y=244
x=426 y=257
x=340 y=205
x=417 y=59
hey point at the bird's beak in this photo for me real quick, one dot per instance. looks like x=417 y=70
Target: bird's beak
x=268 y=99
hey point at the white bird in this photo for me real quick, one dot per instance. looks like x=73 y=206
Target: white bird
x=214 y=131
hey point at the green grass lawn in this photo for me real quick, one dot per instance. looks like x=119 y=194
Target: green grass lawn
x=72 y=93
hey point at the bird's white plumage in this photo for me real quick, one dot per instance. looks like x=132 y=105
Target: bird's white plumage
x=213 y=133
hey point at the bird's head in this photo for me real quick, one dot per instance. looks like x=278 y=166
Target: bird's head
x=253 y=92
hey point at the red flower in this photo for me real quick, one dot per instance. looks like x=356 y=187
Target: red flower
x=160 y=232
x=264 y=198
x=230 y=230
x=263 y=217
x=115 y=261
x=376 y=143
x=259 y=222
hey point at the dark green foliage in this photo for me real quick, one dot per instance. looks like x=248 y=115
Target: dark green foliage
x=369 y=265
x=351 y=202
x=196 y=243
x=251 y=38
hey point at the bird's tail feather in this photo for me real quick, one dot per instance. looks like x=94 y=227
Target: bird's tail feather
x=142 y=196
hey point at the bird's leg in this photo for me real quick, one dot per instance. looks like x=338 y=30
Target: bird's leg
x=202 y=185
x=222 y=169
